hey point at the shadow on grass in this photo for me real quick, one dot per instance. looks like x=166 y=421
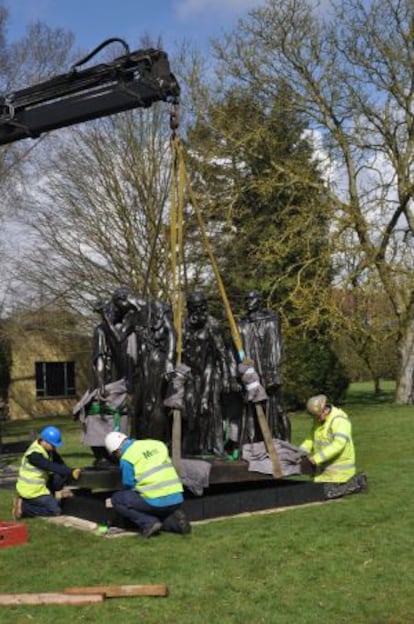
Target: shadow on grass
x=363 y=393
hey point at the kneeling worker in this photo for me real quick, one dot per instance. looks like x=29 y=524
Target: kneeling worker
x=42 y=473
x=331 y=449
x=153 y=493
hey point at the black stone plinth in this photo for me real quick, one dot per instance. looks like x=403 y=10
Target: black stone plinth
x=232 y=490
x=237 y=498
x=217 y=501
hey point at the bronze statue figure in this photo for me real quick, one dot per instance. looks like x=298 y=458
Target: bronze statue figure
x=114 y=343
x=205 y=353
x=156 y=353
x=260 y=332
x=103 y=408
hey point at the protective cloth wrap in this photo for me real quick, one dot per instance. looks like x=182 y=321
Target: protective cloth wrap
x=251 y=382
x=112 y=414
x=175 y=391
x=290 y=457
x=195 y=475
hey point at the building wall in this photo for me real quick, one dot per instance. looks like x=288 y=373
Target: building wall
x=32 y=346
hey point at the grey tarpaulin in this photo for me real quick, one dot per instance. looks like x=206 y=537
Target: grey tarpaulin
x=175 y=398
x=251 y=382
x=97 y=426
x=195 y=474
x=259 y=461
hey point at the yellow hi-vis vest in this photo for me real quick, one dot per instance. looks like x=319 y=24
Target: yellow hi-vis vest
x=31 y=481
x=332 y=447
x=155 y=474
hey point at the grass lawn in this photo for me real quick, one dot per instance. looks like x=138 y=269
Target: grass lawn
x=348 y=561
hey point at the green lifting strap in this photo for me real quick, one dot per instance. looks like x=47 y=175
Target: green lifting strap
x=96 y=409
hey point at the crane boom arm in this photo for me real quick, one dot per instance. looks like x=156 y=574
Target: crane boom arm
x=135 y=80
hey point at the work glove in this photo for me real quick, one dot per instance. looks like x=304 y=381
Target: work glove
x=307 y=467
x=76 y=473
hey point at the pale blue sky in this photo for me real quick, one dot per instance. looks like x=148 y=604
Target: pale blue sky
x=92 y=21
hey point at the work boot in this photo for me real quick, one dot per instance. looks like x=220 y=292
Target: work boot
x=17 y=508
x=181 y=522
x=152 y=529
x=362 y=482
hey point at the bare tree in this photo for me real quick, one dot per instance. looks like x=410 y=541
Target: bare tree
x=365 y=336
x=351 y=71
x=100 y=210
x=41 y=52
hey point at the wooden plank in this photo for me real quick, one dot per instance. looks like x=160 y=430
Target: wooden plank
x=117 y=591
x=50 y=598
x=176 y=439
x=270 y=447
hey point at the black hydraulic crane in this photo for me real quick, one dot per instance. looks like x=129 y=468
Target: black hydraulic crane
x=135 y=80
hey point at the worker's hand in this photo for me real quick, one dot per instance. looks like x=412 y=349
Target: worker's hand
x=235 y=385
x=102 y=393
x=76 y=473
x=307 y=465
x=169 y=372
x=204 y=408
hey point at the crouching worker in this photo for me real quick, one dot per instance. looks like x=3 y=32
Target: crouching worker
x=331 y=449
x=42 y=473
x=153 y=493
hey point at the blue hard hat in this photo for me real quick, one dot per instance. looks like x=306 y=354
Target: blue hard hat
x=52 y=435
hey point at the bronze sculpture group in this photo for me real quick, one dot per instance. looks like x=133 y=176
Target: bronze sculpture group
x=134 y=349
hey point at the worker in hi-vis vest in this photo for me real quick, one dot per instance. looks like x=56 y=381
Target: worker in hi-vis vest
x=330 y=446
x=153 y=493
x=42 y=473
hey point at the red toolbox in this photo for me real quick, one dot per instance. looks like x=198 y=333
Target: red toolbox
x=13 y=533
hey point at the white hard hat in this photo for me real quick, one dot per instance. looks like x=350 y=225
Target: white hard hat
x=114 y=440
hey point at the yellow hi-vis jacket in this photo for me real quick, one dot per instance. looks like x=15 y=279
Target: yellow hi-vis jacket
x=332 y=448
x=31 y=481
x=155 y=475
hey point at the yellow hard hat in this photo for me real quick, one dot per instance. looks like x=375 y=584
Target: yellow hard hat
x=316 y=404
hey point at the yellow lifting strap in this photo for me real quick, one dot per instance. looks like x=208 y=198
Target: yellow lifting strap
x=178 y=214
x=177 y=240
x=177 y=265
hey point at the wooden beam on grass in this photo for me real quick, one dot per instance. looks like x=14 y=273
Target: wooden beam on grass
x=118 y=591
x=50 y=598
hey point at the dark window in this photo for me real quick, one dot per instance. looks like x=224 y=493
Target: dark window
x=55 y=379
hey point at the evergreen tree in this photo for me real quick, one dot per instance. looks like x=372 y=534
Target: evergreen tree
x=261 y=189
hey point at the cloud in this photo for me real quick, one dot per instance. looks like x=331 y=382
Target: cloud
x=186 y=9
